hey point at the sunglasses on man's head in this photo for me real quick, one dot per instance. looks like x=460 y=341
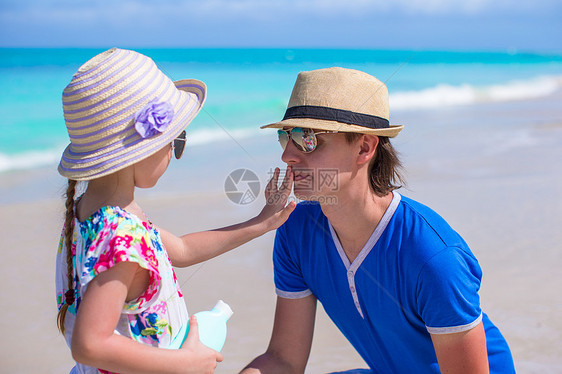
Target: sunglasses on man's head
x=304 y=139
x=178 y=145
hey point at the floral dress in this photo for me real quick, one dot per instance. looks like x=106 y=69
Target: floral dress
x=109 y=236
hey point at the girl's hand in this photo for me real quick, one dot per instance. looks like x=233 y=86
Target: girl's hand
x=204 y=359
x=276 y=210
x=194 y=248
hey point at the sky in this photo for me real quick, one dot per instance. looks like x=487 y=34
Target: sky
x=500 y=25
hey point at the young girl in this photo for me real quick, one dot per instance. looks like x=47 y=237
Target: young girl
x=118 y=297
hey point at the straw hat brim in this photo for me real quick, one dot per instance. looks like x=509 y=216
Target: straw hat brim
x=318 y=124
x=84 y=168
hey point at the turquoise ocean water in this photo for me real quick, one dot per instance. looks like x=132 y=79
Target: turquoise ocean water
x=250 y=87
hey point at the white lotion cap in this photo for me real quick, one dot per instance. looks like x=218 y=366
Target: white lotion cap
x=224 y=309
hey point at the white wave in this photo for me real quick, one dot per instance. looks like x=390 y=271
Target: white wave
x=199 y=137
x=28 y=160
x=447 y=95
x=37 y=159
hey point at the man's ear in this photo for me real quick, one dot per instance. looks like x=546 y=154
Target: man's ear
x=367 y=146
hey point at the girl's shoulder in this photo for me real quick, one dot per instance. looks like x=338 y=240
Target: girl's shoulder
x=112 y=235
x=114 y=218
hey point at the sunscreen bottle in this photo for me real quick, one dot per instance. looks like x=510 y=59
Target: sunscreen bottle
x=212 y=327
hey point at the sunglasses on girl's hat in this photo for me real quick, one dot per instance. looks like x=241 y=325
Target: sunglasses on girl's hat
x=304 y=139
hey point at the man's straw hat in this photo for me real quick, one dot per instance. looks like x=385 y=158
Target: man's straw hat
x=119 y=108
x=338 y=99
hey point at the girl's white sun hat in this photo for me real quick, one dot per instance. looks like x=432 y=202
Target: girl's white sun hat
x=119 y=108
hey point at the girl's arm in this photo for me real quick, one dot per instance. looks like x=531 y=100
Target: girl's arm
x=197 y=247
x=94 y=342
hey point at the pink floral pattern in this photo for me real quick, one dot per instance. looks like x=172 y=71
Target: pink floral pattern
x=112 y=235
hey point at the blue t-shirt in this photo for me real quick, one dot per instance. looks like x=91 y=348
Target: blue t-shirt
x=415 y=276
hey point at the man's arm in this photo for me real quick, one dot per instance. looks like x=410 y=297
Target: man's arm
x=291 y=338
x=463 y=352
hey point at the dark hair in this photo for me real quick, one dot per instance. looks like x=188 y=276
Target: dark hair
x=385 y=168
x=68 y=297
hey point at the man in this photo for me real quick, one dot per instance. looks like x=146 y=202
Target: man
x=394 y=277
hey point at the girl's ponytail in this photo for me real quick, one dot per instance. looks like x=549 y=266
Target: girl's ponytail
x=68 y=231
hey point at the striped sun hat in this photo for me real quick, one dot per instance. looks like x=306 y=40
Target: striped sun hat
x=119 y=108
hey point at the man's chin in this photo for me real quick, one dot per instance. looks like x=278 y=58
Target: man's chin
x=323 y=199
x=302 y=195
x=305 y=195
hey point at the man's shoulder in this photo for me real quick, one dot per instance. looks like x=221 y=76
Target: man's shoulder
x=427 y=223
x=413 y=208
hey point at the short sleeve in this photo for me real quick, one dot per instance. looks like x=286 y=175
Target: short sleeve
x=126 y=240
x=289 y=281
x=448 y=285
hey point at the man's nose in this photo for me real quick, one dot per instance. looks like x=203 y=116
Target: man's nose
x=291 y=155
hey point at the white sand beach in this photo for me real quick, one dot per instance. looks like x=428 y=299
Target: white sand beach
x=494 y=171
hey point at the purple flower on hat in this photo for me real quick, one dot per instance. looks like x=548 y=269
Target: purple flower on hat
x=154 y=118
